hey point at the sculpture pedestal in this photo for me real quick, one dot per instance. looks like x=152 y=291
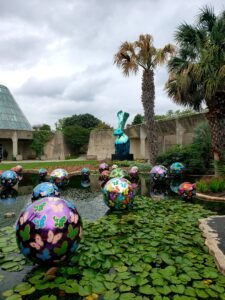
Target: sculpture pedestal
x=122 y=157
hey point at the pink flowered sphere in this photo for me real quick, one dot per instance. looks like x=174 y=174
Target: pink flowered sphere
x=49 y=230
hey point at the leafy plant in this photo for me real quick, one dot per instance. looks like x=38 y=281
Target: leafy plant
x=213 y=185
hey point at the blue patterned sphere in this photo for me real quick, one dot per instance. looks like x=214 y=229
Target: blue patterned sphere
x=45 y=189
x=177 y=169
x=49 y=230
x=42 y=172
x=59 y=177
x=9 y=178
x=118 y=194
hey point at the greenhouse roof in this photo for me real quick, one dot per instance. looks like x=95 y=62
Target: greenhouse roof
x=11 y=116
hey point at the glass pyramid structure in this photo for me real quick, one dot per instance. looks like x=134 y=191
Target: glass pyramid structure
x=11 y=116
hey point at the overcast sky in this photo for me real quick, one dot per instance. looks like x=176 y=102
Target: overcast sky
x=56 y=56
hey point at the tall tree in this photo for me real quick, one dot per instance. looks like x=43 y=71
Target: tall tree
x=197 y=72
x=142 y=54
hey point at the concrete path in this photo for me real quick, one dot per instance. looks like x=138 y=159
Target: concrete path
x=213 y=230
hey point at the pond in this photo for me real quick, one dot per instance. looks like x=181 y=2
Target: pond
x=89 y=203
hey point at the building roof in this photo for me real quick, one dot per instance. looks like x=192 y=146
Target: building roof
x=11 y=116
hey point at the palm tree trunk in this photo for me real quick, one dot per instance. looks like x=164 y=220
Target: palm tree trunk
x=216 y=119
x=148 y=101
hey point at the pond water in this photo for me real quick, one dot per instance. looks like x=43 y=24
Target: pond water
x=89 y=203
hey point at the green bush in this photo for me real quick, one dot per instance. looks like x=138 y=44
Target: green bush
x=214 y=185
x=142 y=165
x=202 y=186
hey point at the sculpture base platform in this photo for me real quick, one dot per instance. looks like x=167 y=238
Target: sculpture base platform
x=122 y=157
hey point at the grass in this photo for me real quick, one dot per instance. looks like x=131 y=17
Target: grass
x=213 y=185
x=56 y=164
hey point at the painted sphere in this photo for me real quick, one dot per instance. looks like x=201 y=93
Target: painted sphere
x=103 y=178
x=18 y=170
x=85 y=171
x=42 y=172
x=118 y=194
x=177 y=169
x=187 y=190
x=158 y=173
x=114 y=166
x=117 y=173
x=133 y=172
x=59 y=177
x=49 y=230
x=103 y=166
x=45 y=189
x=9 y=178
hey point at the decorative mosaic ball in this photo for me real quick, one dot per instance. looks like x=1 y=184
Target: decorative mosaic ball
x=118 y=194
x=102 y=167
x=177 y=169
x=158 y=173
x=134 y=178
x=9 y=178
x=85 y=179
x=103 y=178
x=187 y=190
x=117 y=173
x=49 y=230
x=114 y=166
x=45 y=189
x=42 y=172
x=59 y=177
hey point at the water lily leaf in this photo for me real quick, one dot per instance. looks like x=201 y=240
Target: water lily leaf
x=22 y=287
x=28 y=291
x=124 y=288
x=210 y=274
x=131 y=282
x=48 y=297
x=14 y=297
x=121 y=269
x=85 y=290
x=127 y=296
x=9 y=265
x=165 y=290
x=7 y=293
x=146 y=290
x=201 y=293
x=111 y=295
x=193 y=275
x=178 y=289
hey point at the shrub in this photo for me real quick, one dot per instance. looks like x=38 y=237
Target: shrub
x=214 y=185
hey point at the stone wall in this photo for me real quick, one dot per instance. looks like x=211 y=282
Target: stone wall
x=170 y=132
x=56 y=148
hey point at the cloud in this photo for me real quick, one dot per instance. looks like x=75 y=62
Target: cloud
x=56 y=56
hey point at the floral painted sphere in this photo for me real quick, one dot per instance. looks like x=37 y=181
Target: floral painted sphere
x=118 y=194
x=9 y=178
x=59 y=177
x=117 y=173
x=102 y=167
x=49 y=230
x=187 y=190
x=158 y=173
x=133 y=172
x=177 y=169
x=45 y=189
x=42 y=172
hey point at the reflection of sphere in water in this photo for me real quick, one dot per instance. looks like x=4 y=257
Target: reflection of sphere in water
x=103 y=178
x=117 y=173
x=45 y=189
x=174 y=186
x=85 y=180
x=177 y=169
x=187 y=190
x=8 y=193
x=102 y=167
x=49 y=230
x=118 y=194
x=42 y=172
x=158 y=173
x=59 y=177
x=9 y=178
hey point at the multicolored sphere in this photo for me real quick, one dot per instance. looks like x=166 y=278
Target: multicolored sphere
x=118 y=194
x=42 y=172
x=9 y=178
x=103 y=178
x=45 y=189
x=59 y=177
x=49 y=230
x=117 y=173
x=177 y=169
x=85 y=178
x=158 y=173
x=187 y=190
x=102 y=167
x=114 y=166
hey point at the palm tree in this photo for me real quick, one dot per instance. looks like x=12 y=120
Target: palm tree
x=197 y=72
x=142 y=54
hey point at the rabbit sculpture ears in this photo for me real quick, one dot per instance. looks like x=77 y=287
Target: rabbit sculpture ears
x=122 y=118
